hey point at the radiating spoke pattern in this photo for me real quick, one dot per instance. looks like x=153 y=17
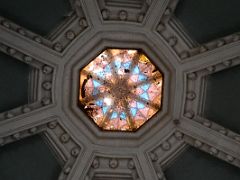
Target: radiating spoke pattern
x=120 y=89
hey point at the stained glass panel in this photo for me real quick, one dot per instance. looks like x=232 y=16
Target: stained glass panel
x=120 y=89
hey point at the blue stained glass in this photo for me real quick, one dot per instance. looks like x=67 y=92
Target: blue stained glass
x=136 y=70
x=117 y=64
x=144 y=96
x=133 y=111
x=104 y=109
x=123 y=115
x=99 y=102
x=95 y=91
x=127 y=65
x=114 y=115
x=140 y=105
x=145 y=87
x=96 y=84
x=100 y=74
x=107 y=69
x=142 y=77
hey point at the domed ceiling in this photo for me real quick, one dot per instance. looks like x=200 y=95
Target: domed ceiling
x=119 y=90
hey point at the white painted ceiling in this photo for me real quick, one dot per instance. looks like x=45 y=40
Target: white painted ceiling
x=43 y=46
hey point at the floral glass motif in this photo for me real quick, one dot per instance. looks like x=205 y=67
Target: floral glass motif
x=120 y=89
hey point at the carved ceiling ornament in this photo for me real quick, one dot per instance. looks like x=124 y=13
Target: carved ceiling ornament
x=87 y=152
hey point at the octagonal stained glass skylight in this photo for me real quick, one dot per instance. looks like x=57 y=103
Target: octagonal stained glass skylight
x=120 y=89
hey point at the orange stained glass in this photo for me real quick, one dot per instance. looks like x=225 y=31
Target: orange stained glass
x=120 y=89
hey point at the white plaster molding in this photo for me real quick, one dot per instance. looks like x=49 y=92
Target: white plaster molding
x=154 y=146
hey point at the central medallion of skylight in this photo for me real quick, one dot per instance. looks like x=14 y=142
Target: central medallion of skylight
x=120 y=89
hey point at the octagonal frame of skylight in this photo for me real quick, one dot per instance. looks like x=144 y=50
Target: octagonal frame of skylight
x=121 y=89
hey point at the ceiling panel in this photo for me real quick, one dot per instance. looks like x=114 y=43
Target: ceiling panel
x=223 y=97
x=39 y=16
x=28 y=159
x=196 y=165
x=14 y=82
x=208 y=20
